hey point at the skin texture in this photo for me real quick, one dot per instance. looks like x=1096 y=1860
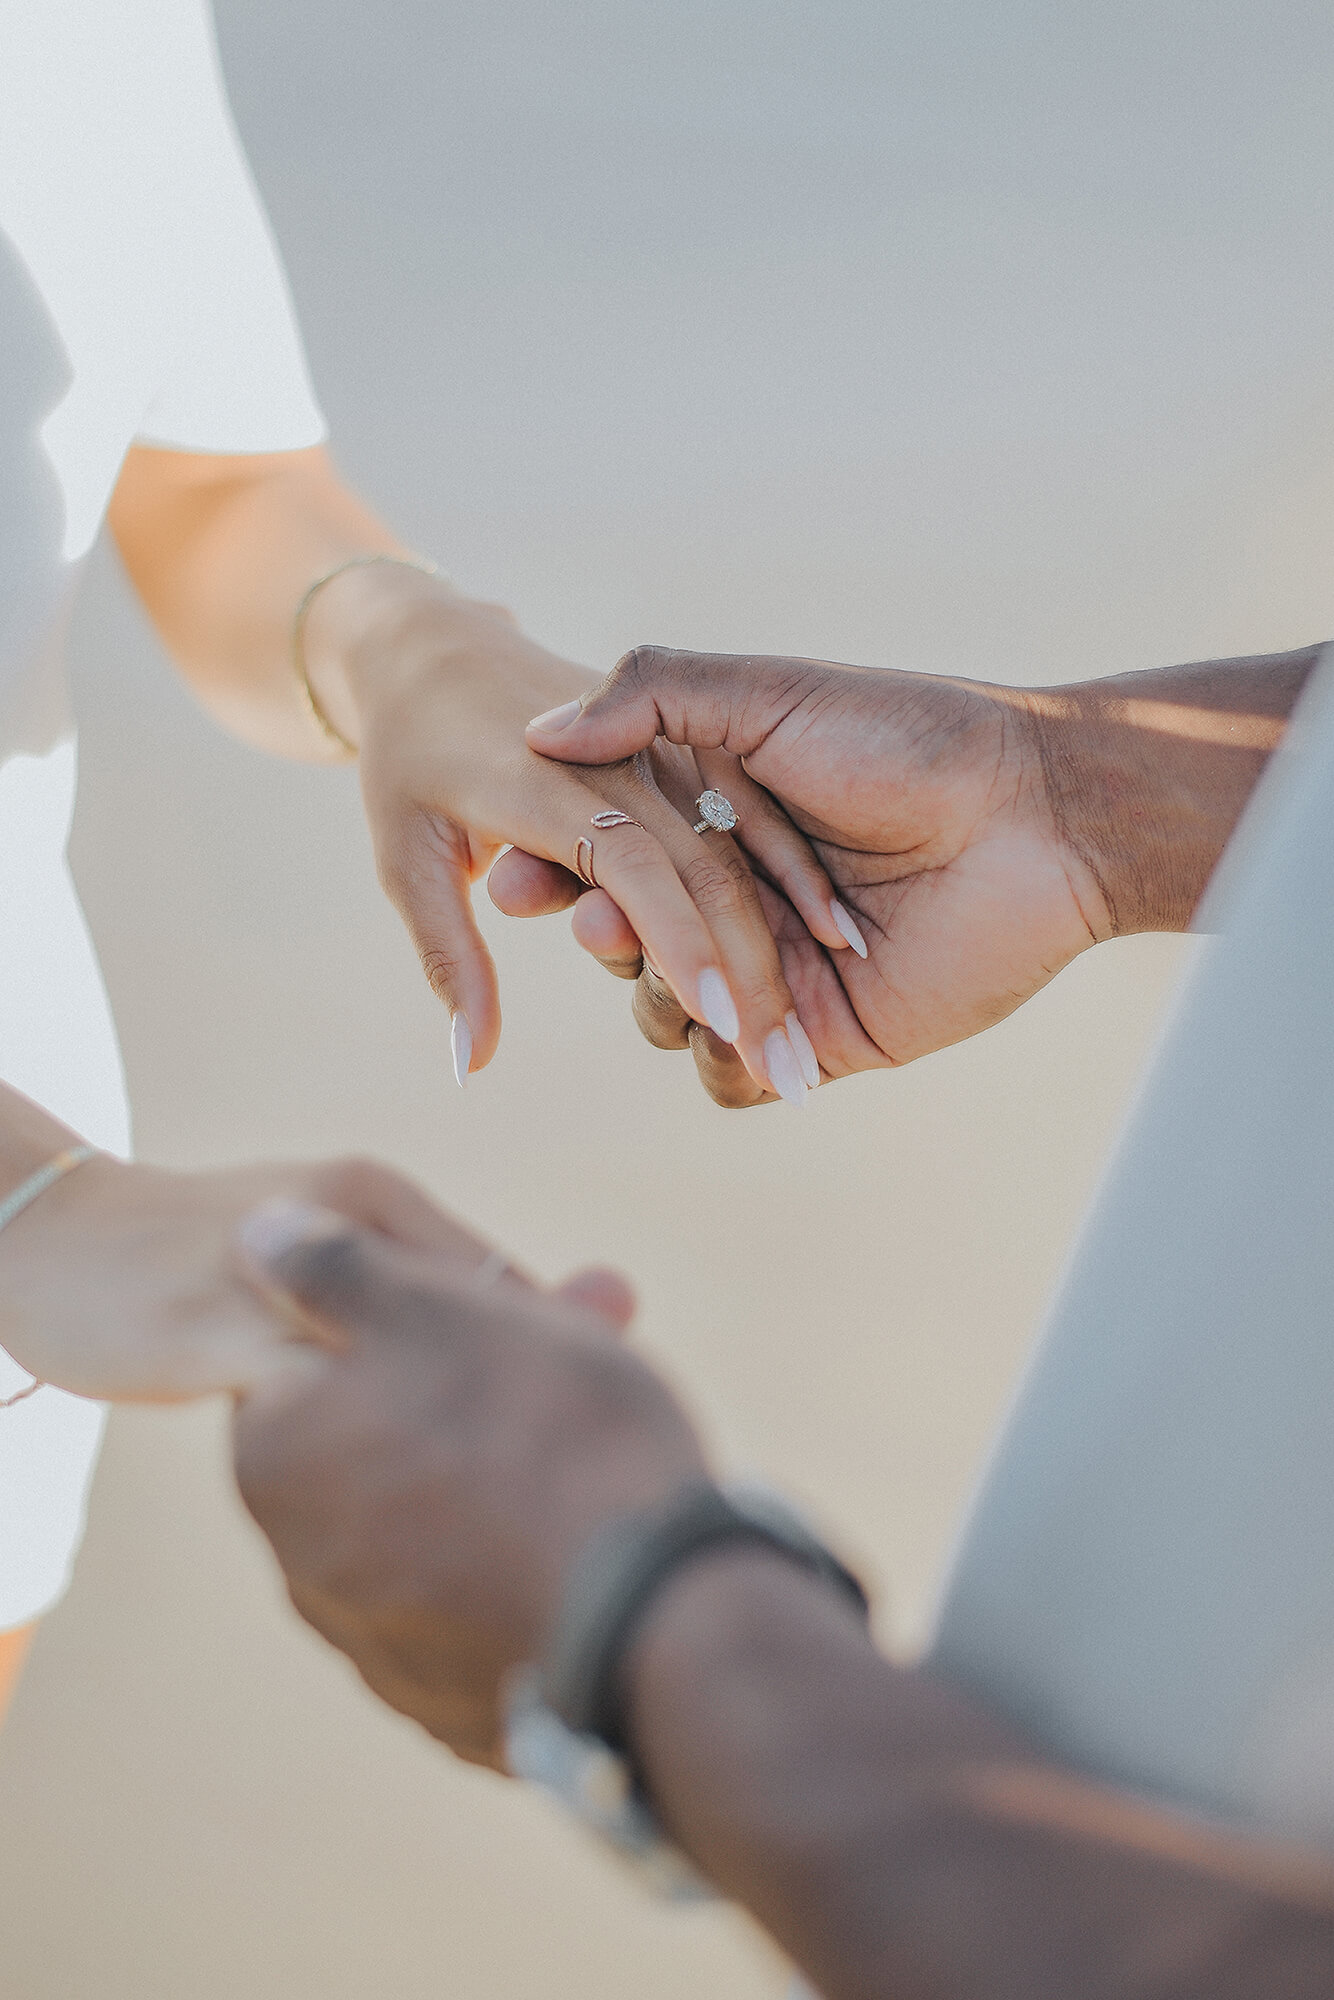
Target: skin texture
x=982 y=836
x=426 y=1490
x=435 y=688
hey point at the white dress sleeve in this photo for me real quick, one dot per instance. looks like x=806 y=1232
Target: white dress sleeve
x=236 y=378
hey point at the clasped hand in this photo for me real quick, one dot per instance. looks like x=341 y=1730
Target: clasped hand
x=928 y=805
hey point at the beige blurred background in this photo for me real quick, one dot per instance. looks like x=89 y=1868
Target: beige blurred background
x=985 y=340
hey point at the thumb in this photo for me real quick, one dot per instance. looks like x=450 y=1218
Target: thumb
x=339 y=1277
x=712 y=701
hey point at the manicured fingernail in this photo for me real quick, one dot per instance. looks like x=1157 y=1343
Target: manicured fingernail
x=846 y=927
x=717 y=1006
x=276 y=1227
x=801 y=1042
x=460 y=1047
x=557 y=718
x=783 y=1069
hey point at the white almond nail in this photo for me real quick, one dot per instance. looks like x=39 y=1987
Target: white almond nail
x=846 y=927
x=783 y=1069
x=717 y=1005
x=554 y=719
x=460 y=1047
x=801 y=1042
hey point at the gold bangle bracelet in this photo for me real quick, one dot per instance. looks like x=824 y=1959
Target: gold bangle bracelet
x=327 y=728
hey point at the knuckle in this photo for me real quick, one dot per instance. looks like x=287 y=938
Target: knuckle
x=422 y=843
x=623 y=968
x=441 y=968
x=631 y=852
x=659 y=1015
x=722 y=1073
x=351 y=1184
x=639 y=666
x=710 y=887
x=611 y=1386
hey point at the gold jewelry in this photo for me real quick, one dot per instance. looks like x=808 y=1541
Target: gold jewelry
x=19 y=1199
x=317 y=714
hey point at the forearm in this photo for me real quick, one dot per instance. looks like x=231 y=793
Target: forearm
x=902 y=1845
x=1148 y=773
x=222 y=550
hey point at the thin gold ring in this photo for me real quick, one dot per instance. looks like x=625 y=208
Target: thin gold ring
x=583 y=847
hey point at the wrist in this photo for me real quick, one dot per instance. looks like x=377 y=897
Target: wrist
x=1147 y=774
x=377 y=631
x=363 y=615
x=729 y=1688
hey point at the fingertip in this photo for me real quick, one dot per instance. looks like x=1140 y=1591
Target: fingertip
x=606 y=1294
x=847 y=926
x=460 y=1047
x=553 y=720
x=602 y=929
x=527 y=885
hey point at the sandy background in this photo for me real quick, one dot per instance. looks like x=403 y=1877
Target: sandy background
x=990 y=340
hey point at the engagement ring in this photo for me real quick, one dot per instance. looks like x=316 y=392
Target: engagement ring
x=716 y=813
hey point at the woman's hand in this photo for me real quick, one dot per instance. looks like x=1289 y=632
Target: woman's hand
x=442 y=688
x=122 y=1281
x=927 y=802
x=435 y=690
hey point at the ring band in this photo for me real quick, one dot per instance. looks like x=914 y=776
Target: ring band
x=716 y=812
x=583 y=847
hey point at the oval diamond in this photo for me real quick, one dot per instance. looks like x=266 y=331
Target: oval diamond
x=716 y=811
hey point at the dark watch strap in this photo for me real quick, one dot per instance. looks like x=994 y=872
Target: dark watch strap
x=617 y=1575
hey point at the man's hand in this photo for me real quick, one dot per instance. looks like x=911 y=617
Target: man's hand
x=427 y=1489
x=981 y=836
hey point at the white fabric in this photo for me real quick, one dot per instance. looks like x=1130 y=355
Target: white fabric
x=1146 y=1582
x=140 y=297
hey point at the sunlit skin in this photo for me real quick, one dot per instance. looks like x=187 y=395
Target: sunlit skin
x=981 y=835
x=426 y=1490
x=14 y=1646
x=435 y=688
